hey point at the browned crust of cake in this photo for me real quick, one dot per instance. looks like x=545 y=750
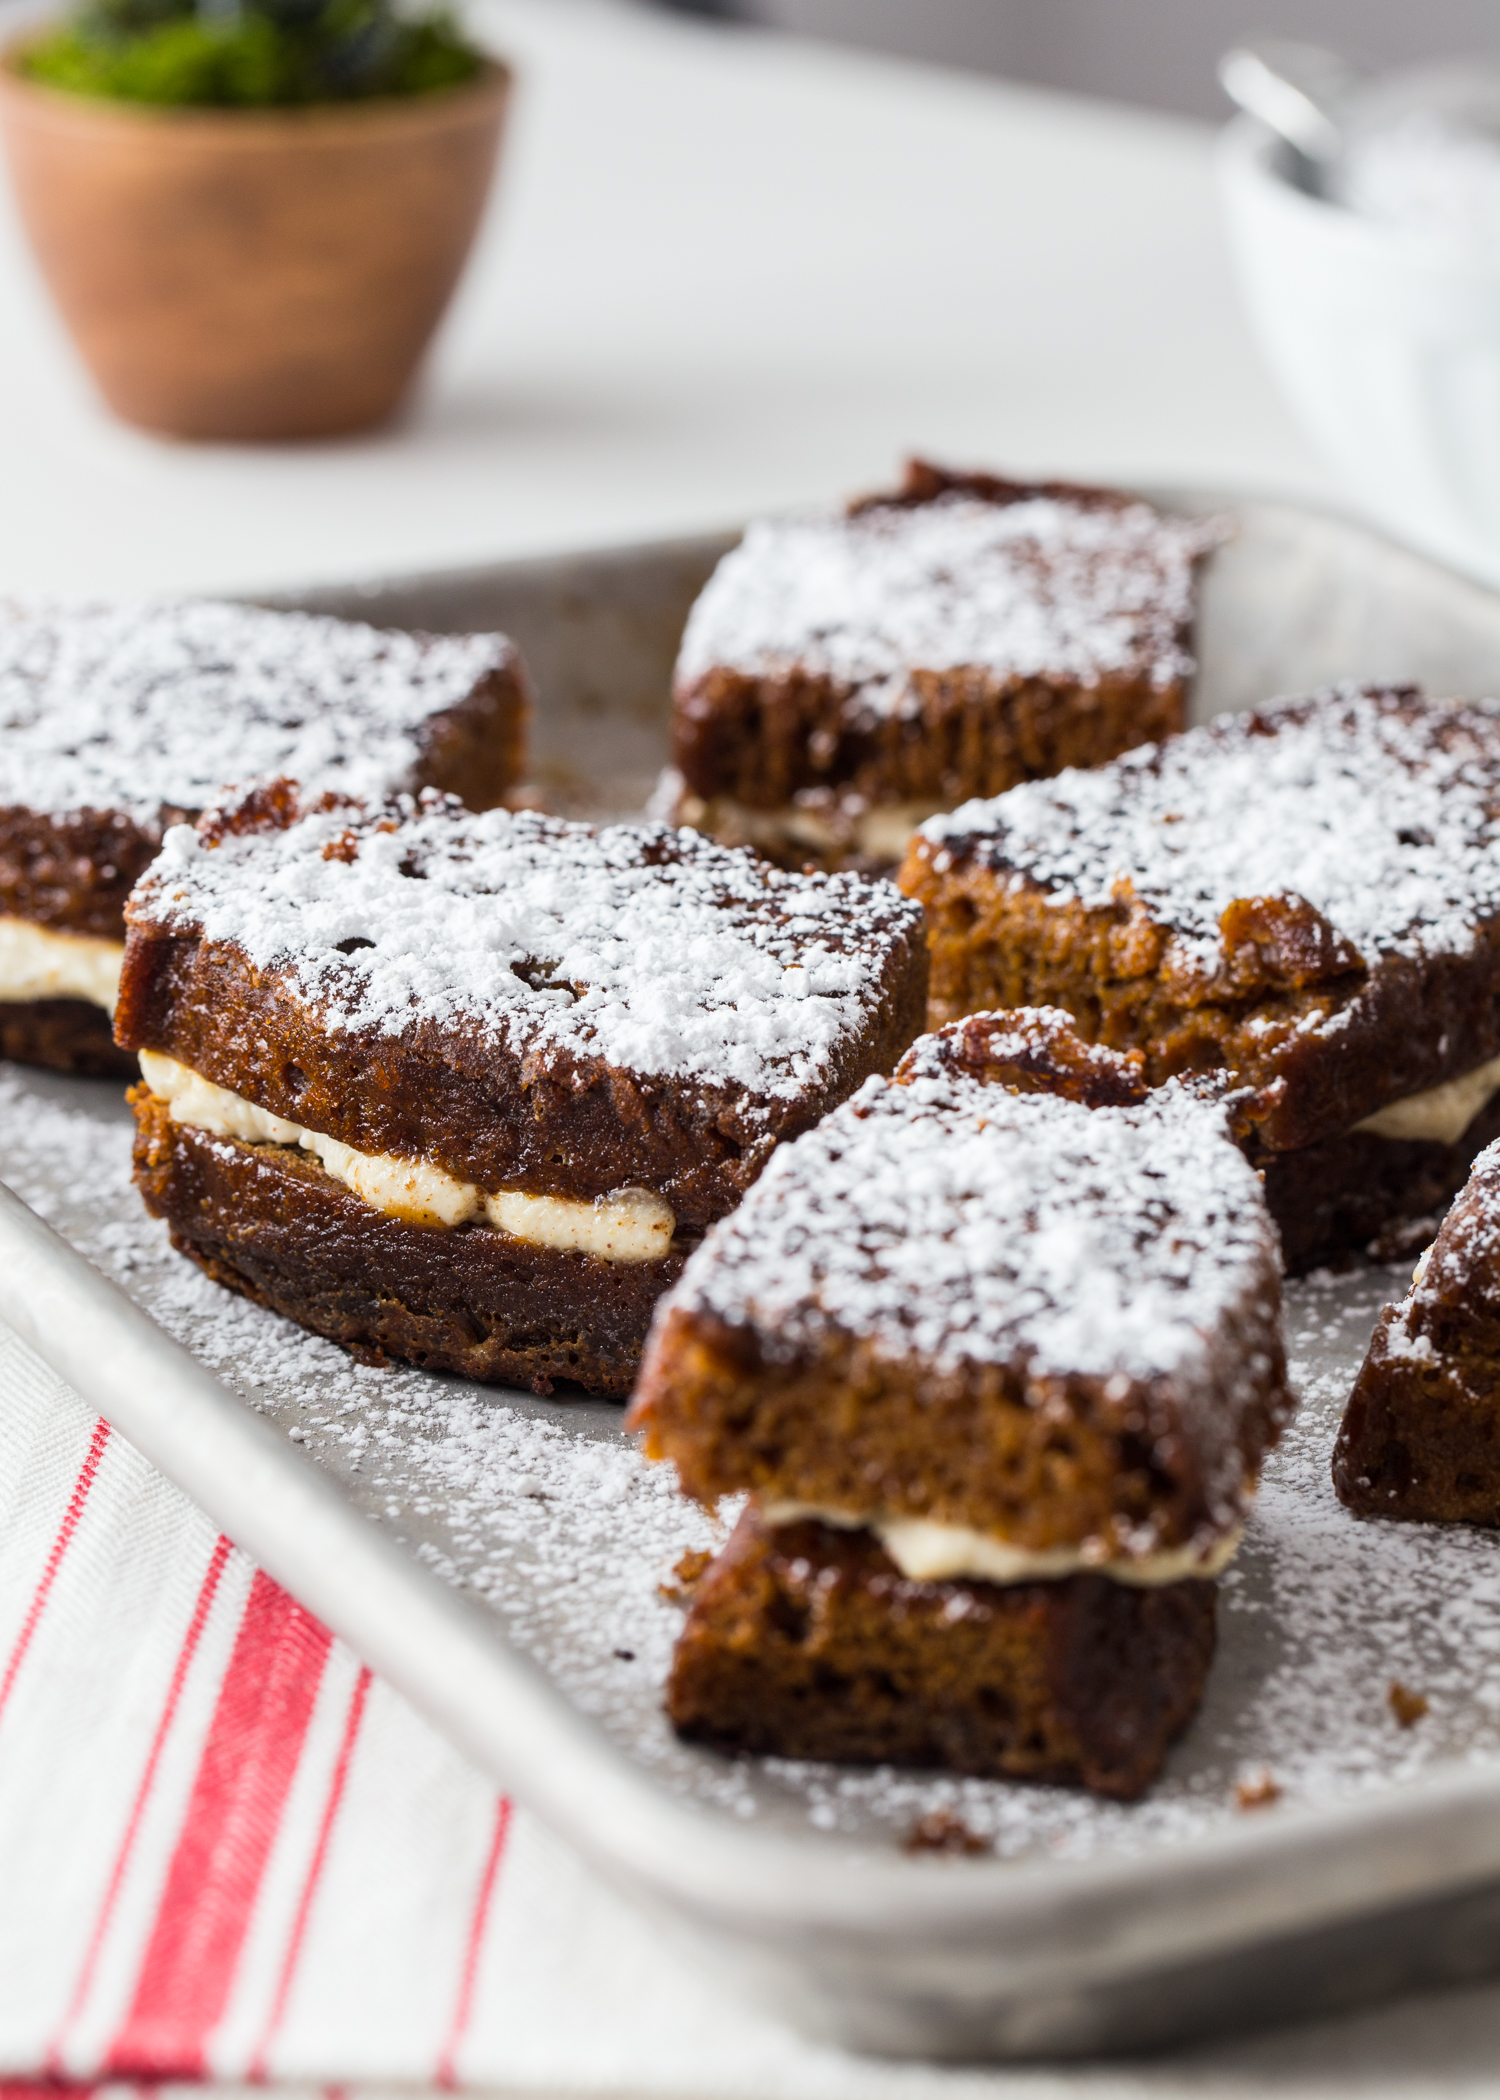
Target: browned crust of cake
x=458 y=1096
x=65 y=1035
x=1420 y=1438
x=1044 y=1461
x=477 y=750
x=807 y=1642
x=1359 y=1191
x=998 y=940
x=1041 y=1461
x=73 y=871
x=762 y=741
x=269 y=1223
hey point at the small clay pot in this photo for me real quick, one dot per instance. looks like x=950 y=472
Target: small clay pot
x=251 y=274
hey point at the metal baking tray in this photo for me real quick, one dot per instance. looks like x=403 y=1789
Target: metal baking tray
x=497 y=1557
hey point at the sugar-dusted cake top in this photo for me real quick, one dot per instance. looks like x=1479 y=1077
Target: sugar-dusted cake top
x=954 y=1220
x=653 y=949
x=1074 y=585
x=1380 y=808
x=134 y=707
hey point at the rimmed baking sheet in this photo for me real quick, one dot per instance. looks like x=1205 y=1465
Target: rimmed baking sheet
x=1092 y=1924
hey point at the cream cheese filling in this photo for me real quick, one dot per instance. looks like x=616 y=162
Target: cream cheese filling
x=928 y=1552
x=632 y=1225
x=881 y=832
x=1443 y=1113
x=36 y=963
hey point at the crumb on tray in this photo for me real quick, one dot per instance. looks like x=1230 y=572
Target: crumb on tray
x=1258 y=1792
x=686 y=1574
x=1408 y=1706
x=942 y=1831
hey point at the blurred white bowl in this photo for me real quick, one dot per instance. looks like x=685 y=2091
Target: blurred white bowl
x=1387 y=350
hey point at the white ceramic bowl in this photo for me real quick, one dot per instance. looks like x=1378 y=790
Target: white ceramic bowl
x=1387 y=352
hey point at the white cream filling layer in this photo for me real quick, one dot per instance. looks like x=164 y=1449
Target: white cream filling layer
x=36 y=963
x=1443 y=1113
x=881 y=832
x=631 y=1225
x=926 y=1552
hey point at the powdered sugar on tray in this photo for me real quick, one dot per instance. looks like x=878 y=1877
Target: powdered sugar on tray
x=954 y=1221
x=133 y=707
x=545 y=1511
x=1380 y=808
x=1036 y=588
x=654 y=949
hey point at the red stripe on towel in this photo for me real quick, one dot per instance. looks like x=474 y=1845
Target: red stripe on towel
x=314 y=1876
x=65 y=1531
x=243 y=1779
x=458 y=2026
x=206 y=1594
x=38 y=2089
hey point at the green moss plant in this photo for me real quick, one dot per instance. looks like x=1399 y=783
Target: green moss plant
x=256 y=54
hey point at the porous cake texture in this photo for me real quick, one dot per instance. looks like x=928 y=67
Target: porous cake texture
x=515 y=1066
x=1420 y=1437
x=1009 y=1323
x=806 y=1640
x=117 y=720
x=849 y=670
x=1305 y=899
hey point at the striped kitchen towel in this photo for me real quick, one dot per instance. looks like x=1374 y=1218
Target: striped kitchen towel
x=235 y=1847
x=227 y=1852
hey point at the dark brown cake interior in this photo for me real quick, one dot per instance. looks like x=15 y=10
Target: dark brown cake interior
x=807 y=1642
x=65 y=1035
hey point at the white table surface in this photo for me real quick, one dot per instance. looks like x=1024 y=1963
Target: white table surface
x=724 y=271
x=727 y=272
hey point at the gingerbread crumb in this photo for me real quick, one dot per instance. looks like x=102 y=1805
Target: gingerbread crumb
x=1257 y=1793
x=942 y=1831
x=686 y=1575
x=1406 y=1705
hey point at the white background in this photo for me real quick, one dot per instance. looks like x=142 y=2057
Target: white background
x=724 y=271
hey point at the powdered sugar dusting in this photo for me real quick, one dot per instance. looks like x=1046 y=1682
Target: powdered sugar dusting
x=547 y=1513
x=653 y=949
x=136 y=707
x=955 y=1221
x=1381 y=808
x=1461 y=1263
x=1037 y=588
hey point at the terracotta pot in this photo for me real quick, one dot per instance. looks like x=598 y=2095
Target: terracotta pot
x=252 y=273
